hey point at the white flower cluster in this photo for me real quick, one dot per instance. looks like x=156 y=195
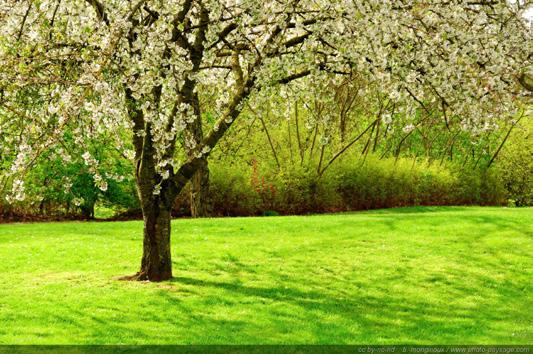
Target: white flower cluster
x=92 y=164
x=17 y=191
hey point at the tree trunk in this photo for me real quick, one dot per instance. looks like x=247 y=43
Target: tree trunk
x=199 y=194
x=156 y=264
x=156 y=196
x=199 y=197
x=87 y=210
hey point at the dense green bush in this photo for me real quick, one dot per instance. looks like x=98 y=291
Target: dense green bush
x=239 y=190
x=515 y=166
x=259 y=189
x=55 y=190
x=231 y=191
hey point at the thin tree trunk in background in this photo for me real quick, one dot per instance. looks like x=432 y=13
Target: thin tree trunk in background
x=341 y=151
x=367 y=144
x=270 y=142
x=199 y=192
x=503 y=142
x=321 y=159
x=87 y=210
x=377 y=137
x=290 y=141
x=315 y=133
x=298 y=138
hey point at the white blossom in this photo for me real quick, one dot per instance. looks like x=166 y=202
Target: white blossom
x=408 y=128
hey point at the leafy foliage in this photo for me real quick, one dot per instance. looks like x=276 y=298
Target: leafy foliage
x=515 y=166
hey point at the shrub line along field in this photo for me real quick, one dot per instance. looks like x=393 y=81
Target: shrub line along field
x=447 y=275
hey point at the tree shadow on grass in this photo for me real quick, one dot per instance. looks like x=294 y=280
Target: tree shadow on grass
x=393 y=317
x=495 y=308
x=502 y=223
x=296 y=312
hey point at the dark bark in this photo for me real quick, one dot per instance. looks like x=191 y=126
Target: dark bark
x=199 y=197
x=199 y=192
x=87 y=211
x=156 y=263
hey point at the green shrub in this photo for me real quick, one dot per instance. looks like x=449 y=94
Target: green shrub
x=254 y=188
x=514 y=166
x=240 y=190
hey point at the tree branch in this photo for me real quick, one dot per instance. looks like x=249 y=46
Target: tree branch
x=100 y=10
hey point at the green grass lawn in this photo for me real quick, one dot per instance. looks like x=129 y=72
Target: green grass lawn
x=416 y=275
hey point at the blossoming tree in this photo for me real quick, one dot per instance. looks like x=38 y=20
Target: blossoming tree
x=93 y=69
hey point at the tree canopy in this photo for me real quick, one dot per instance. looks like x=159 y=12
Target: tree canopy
x=137 y=74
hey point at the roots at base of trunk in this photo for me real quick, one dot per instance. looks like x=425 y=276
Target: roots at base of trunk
x=156 y=264
x=143 y=276
x=139 y=276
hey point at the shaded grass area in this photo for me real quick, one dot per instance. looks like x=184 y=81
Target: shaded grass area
x=446 y=275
